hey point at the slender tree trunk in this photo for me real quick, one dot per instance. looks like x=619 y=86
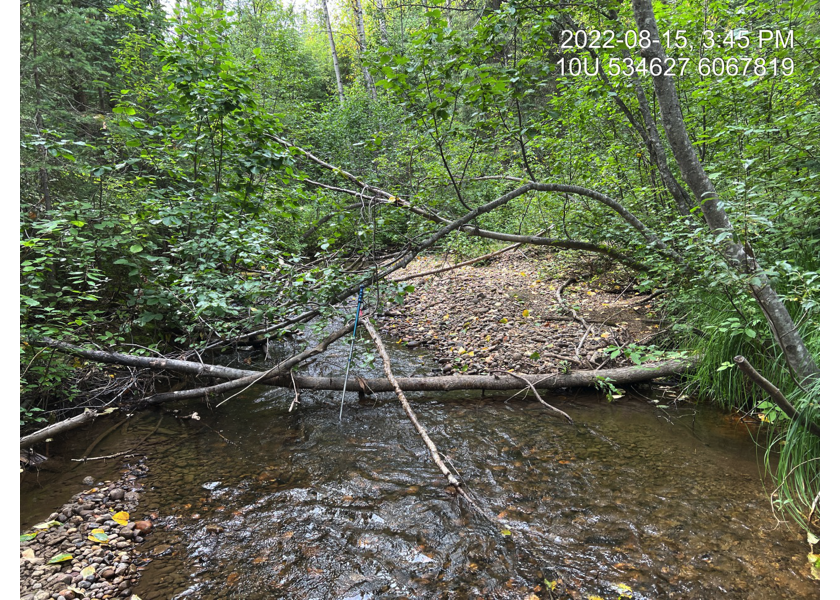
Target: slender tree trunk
x=360 y=29
x=383 y=29
x=43 y=178
x=334 y=53
x=683 y=201
x=781 y=324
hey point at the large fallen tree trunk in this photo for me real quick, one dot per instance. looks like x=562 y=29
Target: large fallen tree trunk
x=449 y=383
x=496 y=382
x=444 y=383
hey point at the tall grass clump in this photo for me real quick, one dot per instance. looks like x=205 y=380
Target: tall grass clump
x=719 y=326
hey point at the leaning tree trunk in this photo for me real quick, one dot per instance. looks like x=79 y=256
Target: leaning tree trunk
x=781 y=324
x=334 y=53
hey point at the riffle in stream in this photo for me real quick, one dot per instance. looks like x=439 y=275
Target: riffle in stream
x=636 y=501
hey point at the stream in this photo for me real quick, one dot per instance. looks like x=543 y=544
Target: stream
x=634 y=501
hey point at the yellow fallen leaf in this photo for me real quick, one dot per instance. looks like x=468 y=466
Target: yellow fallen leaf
x=121 y=518
x=525 y=313
x=503 y=320
x=88 y=571
x=99 y=536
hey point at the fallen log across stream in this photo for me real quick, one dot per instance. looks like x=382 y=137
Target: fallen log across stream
x=444 y=383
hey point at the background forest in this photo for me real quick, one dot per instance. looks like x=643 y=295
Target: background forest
x=198 y=171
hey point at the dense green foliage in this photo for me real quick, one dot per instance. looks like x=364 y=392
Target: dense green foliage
x=165 y=201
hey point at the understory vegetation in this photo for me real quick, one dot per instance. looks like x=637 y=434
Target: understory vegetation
x=229 y=169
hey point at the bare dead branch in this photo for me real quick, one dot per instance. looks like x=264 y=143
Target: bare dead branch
x=775 y=394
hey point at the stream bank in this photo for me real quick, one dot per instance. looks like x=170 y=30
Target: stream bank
x=86 y=550
x=509 y=314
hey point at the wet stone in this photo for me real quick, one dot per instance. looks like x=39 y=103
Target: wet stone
x=93 y=512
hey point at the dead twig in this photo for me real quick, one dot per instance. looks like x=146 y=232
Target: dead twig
x=433 y=451
x=297 y=394
x=126 y=454
x=537 y=394
x=105 y=434
x=580 y=343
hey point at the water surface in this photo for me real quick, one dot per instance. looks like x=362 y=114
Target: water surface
x=639 y=500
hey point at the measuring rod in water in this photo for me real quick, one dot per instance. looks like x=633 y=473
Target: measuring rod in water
x=352 y=345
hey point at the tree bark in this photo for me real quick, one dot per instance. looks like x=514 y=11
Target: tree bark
x=383 y=29
x=657 y=150
x=334 y=53
x=279 y=370
x=783 y=328
x=43 y=177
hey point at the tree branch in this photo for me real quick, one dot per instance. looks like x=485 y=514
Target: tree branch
x=775 y=395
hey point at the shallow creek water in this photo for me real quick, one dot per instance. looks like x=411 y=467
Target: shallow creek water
x=634 y=501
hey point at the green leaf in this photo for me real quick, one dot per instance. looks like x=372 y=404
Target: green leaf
x=31 y=536
x=97 y=535
x=59 y=558
x=136 y=248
